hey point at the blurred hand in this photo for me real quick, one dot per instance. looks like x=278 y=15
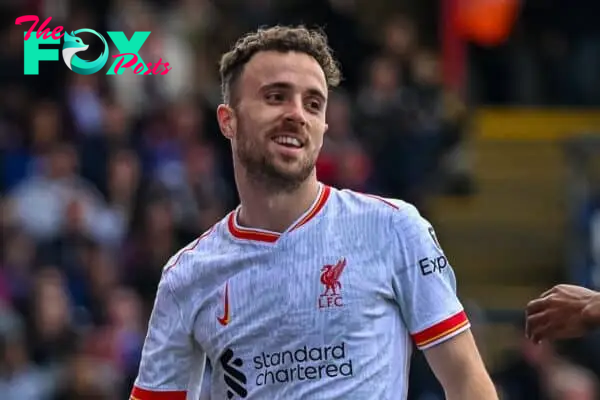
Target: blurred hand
x=563 y=312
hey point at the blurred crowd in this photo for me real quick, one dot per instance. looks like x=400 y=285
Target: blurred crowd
x=103 y=178
x=552 y=58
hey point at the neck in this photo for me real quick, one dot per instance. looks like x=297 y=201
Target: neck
x=275 y=211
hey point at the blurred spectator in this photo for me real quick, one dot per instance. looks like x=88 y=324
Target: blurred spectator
x=95 y=151
x=399 y=42
x=156 y=92
x=52 y=337
x=16 y=271
x=342 y=161
x=88 y=378
x=539 y=372
x=145 y=262
x=202 y=196
x=124 y=184
x=403 y=151
x=20 y=378
x=57 y=198
x=24 y=155
x=85 y=103
x=441 y=117
x=118 y=343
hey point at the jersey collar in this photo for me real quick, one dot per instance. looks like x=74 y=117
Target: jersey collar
x=262 y=235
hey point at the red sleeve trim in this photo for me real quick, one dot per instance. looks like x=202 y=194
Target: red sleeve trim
x=441 y=330
x=381 y=199
x=143 y=394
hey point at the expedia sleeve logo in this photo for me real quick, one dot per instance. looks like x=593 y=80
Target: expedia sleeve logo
x=432 y=265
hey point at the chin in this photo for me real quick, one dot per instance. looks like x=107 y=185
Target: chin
x=292 y=169
x=289 y=164
x=289 y=172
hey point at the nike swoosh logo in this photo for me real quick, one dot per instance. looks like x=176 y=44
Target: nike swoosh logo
x=224 y=320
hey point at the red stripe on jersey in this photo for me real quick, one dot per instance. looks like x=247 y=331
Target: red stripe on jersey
x=441 y=329
x=315 y=210
x=271 y=237
x=248 y=233
x=205 y=234
x=143 y=394
x=380 y=199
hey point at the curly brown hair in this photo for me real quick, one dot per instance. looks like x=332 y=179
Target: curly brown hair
x=282 y=39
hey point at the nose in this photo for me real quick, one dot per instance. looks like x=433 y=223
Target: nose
x=295 y=112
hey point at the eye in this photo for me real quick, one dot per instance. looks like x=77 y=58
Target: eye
x=275 y=97
x=315 y=105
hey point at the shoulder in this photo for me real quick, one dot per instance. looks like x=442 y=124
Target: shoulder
x=192 y=258
x=402 y=219
x=395 y=210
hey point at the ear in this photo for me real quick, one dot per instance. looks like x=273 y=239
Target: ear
x=325 y=128
x=227 y=121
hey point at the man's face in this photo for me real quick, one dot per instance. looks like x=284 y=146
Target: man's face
x=279 y=118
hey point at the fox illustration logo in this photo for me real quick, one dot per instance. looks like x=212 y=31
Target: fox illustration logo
x=73 y=44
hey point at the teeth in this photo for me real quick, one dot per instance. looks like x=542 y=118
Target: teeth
x=288 y=140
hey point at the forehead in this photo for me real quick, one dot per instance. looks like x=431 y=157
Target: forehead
x=298 y=69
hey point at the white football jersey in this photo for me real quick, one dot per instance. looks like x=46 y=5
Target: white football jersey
x=329 y=309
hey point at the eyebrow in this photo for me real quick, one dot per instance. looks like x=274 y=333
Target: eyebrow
x=288 y=86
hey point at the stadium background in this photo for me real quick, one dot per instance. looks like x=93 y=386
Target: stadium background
x=491 y=132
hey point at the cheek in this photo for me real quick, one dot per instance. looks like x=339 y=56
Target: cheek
x=254 y=122
x=318 y=132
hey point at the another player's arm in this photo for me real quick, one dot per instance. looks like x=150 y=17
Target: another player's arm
x=169 y=358
x=563 y=312
x=425 y=288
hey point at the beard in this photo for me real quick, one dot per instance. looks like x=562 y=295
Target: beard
x=261 y=167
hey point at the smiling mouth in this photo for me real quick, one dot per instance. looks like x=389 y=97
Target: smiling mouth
x=288 y=141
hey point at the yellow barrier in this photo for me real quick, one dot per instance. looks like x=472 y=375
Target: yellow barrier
x=534 y=123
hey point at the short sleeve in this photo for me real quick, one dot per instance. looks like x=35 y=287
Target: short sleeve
x=205 y=393
x=170 y=361
x=424 y=282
